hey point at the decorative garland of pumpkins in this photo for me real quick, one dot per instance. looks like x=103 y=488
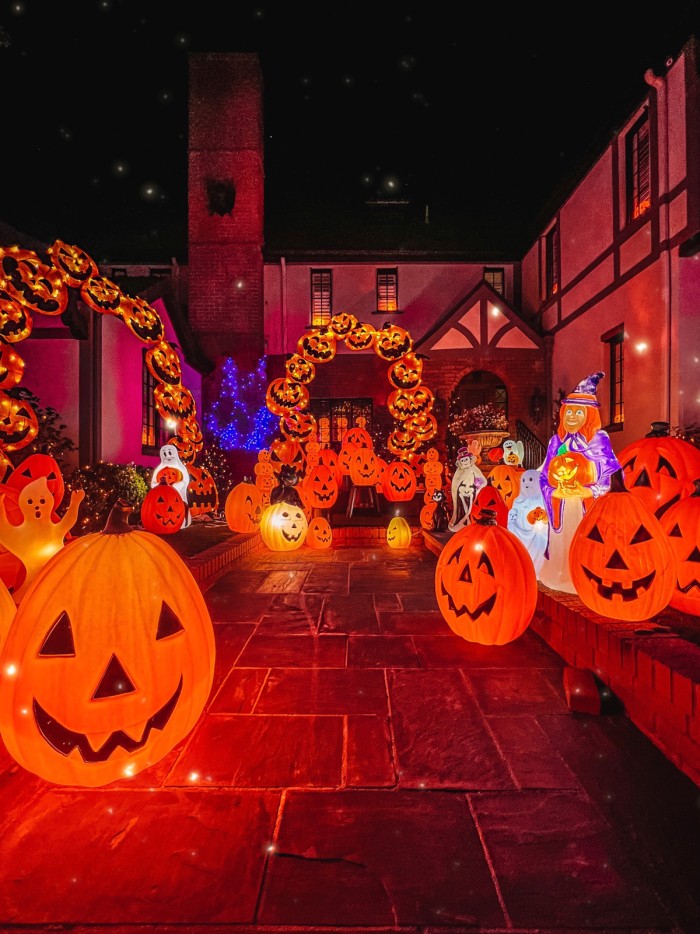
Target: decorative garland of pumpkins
x=32 y=283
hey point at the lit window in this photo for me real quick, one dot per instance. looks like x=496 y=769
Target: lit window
x=495 y=277
x=387 y=290
x=551 y=242
x=637 y=168
x=615 y=340
x=154 y=433
x=336 y=416
x=321 y=296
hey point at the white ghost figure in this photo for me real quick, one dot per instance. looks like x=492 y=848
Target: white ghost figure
x=170 y=460
x=529 y=526
x=513 y=452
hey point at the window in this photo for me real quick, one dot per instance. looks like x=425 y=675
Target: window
x=637 y=168
x=154 y=433
x=336 y=416
x=551 y=245
x=494 y=275
x=387 y=290
x=321 y=296
x=615 y=340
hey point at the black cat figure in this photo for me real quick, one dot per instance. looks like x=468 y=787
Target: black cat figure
x=440 y=517
x=284 y=492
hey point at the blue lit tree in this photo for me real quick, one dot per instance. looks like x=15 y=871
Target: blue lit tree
x=240 y=419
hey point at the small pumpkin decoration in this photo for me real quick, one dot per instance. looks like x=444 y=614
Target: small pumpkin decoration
x=112 y=653
x=401 y=442
x=297 y=425
x=660 y=471
x=283 y=395
x=32 y=283
x=506 y=479
x=488 y=498
x=318 y=345
x=570 y=473
x=283 y=527
x=142 y=320
x=681 y=523
x=342 y=323
x=101 y=294
x=392 y=342
x=163 y=511
x=163 y=363
x=620 y=559
x=485 y=583
x=321 y=487
x=426 y=514
x=18 y=423
x=399 y=482
x=299 y=369
x=424 y=426
x=398 y=534
x=360 y=337
x=202 y=494
x=538 y=514
x=15 y=320
x=364 y=467
x=358 y=435
x=173 y=402
x=11 y=367
x=320 y=534
x=244 y=506
x=74 y=264
x=407 y=372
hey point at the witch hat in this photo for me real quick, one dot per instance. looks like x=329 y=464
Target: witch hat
x=585 y=392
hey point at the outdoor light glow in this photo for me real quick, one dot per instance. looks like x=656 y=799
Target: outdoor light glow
x=495 y=311
x=240 y=284
x=11 y=670
x=193 y=777
x=641 y=347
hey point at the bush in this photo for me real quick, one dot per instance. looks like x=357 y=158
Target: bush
x=104 y=484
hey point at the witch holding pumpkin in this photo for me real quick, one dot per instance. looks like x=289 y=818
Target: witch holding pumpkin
x=577 y=467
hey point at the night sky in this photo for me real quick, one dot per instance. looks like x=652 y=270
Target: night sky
x=482 y=116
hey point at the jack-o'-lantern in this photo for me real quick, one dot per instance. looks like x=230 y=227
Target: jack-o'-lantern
x=18 y=423
x=485 y=583
x=32 y=283
x=329 y=457
x=660 y=471
x=424 y=427
x=189 y=439
x=202 y=494
x=401 y=442
x=344 y=457
x=109 y=661
x=398 y=533
x=15 y=320
x=101 y=294
x=570 y=473
x=174 y=402
x=318 y=345
x=620 y=559
x=287 y=451
x=320 y=534
x=364 y=467
x=11 y=367
x=163 y=363
x=506 y=479
x=392 y=342
x=358 y=435
x=283 y=395
x=407 y=372
x=426 y=514
x=681 y=523
x=244 y=507
x=407 y=403
x=399 y=482
x=342 y=323
x=283 y=527
x=321 y=487
x=142 y=320
x=74 y=264
x=297 y=425
x=163 y=510
x=488 y=498
x=538 y=514
x=299 y=369
x=360 y=337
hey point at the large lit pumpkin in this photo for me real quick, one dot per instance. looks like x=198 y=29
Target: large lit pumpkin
x=321 y=487
x=620 y=560
x=681 y=523
x=364 y=467
x=283 y=527
x=660 y=470
x=399 y=482
x=398 y=534
x=109 y=661
x=485 y=583
x=244 y=506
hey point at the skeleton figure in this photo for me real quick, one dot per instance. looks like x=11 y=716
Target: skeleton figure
x=466 y=483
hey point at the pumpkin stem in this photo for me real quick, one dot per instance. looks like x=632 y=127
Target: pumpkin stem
x=617 y=482
x=118 y=519
x=487 y=517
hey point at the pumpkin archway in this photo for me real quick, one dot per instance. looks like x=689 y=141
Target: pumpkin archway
x=30 y=282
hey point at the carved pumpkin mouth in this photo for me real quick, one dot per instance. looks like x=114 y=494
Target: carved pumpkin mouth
x=64 y=741
x=485 y=607
x=688 y=587
x=617 y=588
x=323 y=496
x=290 y=537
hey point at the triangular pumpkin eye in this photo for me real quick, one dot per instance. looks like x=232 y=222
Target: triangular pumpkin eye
x=168 y=624
x=675 y=532
x=694 y=555
x=486 y=564
x=643 y=478
x=595 y=535
x=667 y=467
x=59 y=640
x=456 y=557
x=641 y=535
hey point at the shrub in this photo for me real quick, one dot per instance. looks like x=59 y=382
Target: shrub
x=104 y=484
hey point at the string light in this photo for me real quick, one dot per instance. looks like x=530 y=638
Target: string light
x=239 y=419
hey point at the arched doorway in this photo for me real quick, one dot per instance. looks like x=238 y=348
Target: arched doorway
x=475 y=390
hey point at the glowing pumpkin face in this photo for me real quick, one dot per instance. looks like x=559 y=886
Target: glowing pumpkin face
x=360 y=337
x=424 y=427
x=298 y=426
x=289 y=452
x=401 y=442
x=189 y=440
x=11 y=367
x=15 y=319
x=18 y=423
x=321 y=487
x=364 y=467
x=318 y=345
x=283 y=395
x=407 y=372
x=320 y=534
x=407 y=403
x=93 y=703
x=163 y=363
x=359 y=436
x=392 y=342
x=342 y=323
x=621 y=562
x=174 y=402
x=660 y=471
x=398 y=534
x=32 y=283
x=506 y=479
x=202 y=495
x=299 y=369
x=681 y=523
x=485 y=584
x=283 y=527
x=163 y=510
x=74 y=264
x=399 y=482
x=569 y=473
x=141 y=319
x=101 y=294
x=244 y=507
